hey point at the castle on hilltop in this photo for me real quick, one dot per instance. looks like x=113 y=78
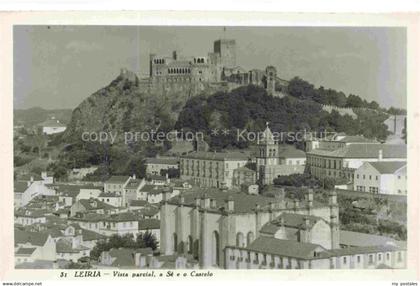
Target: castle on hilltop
x=217 y=70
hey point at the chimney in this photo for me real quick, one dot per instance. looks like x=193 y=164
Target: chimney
x=134 y=176
x=282 y=225
x=166 y=195
x=205 y=201
x=32 y=179
x=174 y=55
x=380 y=155
x=181 y=199
x=213 y=203
x=197 y=202
x=296 y=204
x=306 y=222
x=230 y=204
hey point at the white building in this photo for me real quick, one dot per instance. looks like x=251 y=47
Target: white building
x=343 y=162
x=33 y=246
x=113 y=199
x=24 y=192
x=388 y=178
x=211 y=169
x=154 y=166
x=52 y=126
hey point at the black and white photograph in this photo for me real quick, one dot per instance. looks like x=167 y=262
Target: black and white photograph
x=175 y=147
x=209 y=147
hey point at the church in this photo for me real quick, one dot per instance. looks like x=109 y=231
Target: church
x=275 y=160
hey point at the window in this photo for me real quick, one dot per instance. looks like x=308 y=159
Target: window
x=364 y=177
x=370 y=177
x=379 y=257
x=377 y=177
x=358 y=258
x=388 y=256
x=357 y=176
x=344 y=260
x=370 y=258
x=399 y=257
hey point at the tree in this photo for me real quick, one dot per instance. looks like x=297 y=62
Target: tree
x=172 y=173
x=354 y=101
x=127 y=241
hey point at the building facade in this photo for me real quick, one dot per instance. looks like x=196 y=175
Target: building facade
x=332 y=159
x=211 y=169
x=388 y=178
x=204 y=224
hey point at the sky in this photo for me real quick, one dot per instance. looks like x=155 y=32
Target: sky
x=59 y=66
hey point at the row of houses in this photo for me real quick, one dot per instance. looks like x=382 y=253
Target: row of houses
x=364 y=165
x=63 y=222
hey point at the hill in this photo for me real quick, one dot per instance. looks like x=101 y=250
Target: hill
x=250 y=107
x=36 y=115
x=125 y=105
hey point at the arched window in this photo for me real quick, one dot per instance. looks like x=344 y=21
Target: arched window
x=175 y=242
x=190 y=244
x=249 y=238
x=196 y=249
x=215 y=248
x=240 y=239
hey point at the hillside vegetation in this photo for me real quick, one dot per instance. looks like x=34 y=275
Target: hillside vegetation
x=123 y=106
x=251 y=107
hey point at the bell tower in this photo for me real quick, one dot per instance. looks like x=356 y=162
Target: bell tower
x=267 y=154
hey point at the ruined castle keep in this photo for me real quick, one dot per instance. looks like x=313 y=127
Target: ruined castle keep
x=217 y=70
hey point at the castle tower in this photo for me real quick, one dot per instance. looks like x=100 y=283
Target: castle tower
x=270 y=82
x=226 y=48
x=267 y=155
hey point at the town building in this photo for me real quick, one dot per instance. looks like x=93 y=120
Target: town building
x=52 y=126
x=25 y=191
x=116 y=184
x=275 y=160
x=244 y=176
x=212 y=169
x=274 y=253
x=131 y=190
x=154 y=166
x=389 y=177
x=113 y=199
x=205 y=222
x=32 y=246
x=90 y=205
x=342 y=159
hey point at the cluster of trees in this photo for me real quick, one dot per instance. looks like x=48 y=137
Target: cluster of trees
x=307 y=180
x=110 y=159
x=297 y=180
x=172 y=173
x=365 y=220
x=250 y=108
x=302 y=89
x=127 y=241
